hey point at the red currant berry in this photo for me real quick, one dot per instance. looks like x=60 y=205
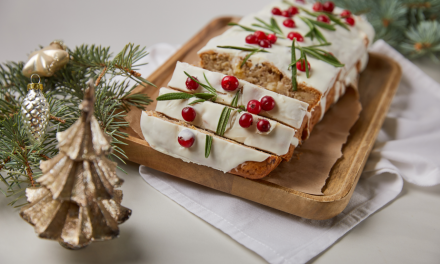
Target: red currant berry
x=345 y=13
x=285 y=13
x=267 y=103
x=350 y=21
x=276 y=11
x=323 y=18
x=300 y=65
x=260 y=35
x=191 y=84
x=263 y=125
x=230 y=83
x=251 y=39
x=272 y=38
x=289 y=23
x=254 y=107
x=245 y=120
x=328 y=6
x=186 y=138
x=295 y=35
x=265 y=43
x=293 y=10
x=318 y=7
x=189 y=114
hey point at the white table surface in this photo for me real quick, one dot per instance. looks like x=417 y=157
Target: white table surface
x=160 y=231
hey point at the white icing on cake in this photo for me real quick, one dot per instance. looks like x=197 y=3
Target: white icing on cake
x=277 y=140
x=186 y=134
x=287 y=110
x=348 y=46
x=351 y=78
x=162 y=135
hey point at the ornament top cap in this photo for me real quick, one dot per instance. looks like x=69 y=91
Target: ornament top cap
x=33 y=85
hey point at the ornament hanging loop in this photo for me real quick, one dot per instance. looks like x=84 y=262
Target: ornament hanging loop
x=32 y=78
x=32 y=85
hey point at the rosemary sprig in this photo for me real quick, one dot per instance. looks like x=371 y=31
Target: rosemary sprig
x=205 y=96
x=273 y=26
x=243 y=27
x=179 y=96
x=208 y=87
x=223 y=121
x=293 y=67
x=235 y=99
x=242 y=48
x=248 y=56
x=337 y=21
x=314 y=31
x=322 y=55
x=208 y=145
x=174 y=96
x=322 y=24
x=314 y=52
x=306 y=64
x=251 y=49
x=197 y=101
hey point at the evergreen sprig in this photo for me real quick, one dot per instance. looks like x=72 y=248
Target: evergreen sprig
x=410 y=26
x=19 y=159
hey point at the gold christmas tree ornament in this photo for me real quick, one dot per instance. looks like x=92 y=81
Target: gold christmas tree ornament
x=77 y=202
x=35 y=112
x=47 y=61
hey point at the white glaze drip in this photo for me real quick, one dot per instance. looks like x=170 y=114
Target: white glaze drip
x=186 y=134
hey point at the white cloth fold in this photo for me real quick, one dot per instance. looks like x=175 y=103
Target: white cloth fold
x=407 y=148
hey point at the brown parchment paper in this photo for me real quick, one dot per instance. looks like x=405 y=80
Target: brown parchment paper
x=311 y=163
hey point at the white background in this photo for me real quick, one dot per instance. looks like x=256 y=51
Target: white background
x=160 y=231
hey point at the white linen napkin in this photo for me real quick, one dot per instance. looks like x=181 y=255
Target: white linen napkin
x=406 y=148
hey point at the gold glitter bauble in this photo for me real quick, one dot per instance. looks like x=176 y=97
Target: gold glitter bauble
x=47 y=61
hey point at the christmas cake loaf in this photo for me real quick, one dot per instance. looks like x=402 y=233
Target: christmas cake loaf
x=286 y=110
x=330 y=49
x=184 y=141
x=243 y=127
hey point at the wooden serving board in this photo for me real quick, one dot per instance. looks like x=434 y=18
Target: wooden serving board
x=377 y=86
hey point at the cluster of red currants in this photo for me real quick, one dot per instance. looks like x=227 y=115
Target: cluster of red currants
x=230 y=83
x=266 y=103
x=260 y=38
x=328 y=7
x=291 y=11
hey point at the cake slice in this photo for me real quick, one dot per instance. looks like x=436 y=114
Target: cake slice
x=181 y=140
x=288 y=111
x=277 y=138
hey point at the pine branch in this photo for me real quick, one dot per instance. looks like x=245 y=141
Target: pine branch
x=410 y=26
x=19 y=159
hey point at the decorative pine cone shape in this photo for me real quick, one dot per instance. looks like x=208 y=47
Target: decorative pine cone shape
x=35 y=115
